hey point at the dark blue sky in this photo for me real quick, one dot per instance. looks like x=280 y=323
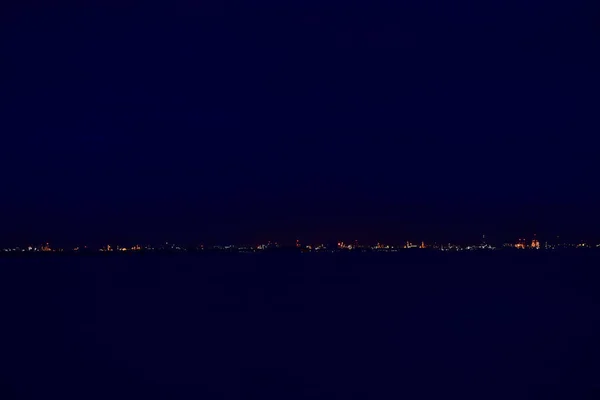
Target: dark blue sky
x=377 y=121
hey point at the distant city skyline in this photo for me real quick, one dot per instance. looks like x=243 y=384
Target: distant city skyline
x=533 y=243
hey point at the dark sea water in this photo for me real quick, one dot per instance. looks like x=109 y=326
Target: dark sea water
x=411 y=325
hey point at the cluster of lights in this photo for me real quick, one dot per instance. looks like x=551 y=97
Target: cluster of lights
x=521 y=244
x=108 y=247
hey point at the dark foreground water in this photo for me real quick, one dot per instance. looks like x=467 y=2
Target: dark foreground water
x=291 y=326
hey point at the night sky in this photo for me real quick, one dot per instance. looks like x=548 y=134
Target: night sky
x=219 y=121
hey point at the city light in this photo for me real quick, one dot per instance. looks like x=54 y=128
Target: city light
x=339 y=246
